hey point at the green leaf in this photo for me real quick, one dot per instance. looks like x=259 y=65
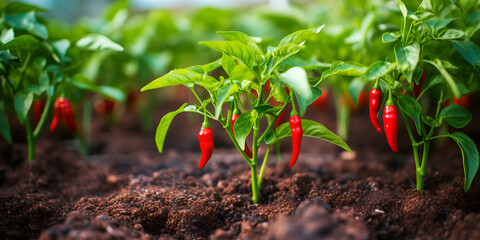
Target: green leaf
x=310 y=129
x=28 y=22
x=407 y=58
x=296 y=79
x=241 y=73
x=24 y=42
x=469 y=51
x=282 y=53
x=61 y=46
x=228 y=64
x=211 y=66
x=6 y=56
x=421 y=15
x=437 y=79
x=456 y=115
x=112 y=92
x=242 y=127
x=98 y=42
x=7 y=35
x=448 y=78
x=242 y=37
x=437 y=24
x=355 y=88
x=164 y=125
x=235 y=49
x=19 y=7
x=430 y=121
x=4 y=124
x=412 y=108
x=278 y=90
x=22 y=103
x=299 y=37
x=265 y=108
x=451 y=34
x=469 y=155
x=310 y=64
x=403 y=8
x=378 y=69
x=223 y=93
x=390 y=37
x=341 y=68
x=173 y=78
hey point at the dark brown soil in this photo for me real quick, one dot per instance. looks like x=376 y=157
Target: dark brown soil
x=126 y=190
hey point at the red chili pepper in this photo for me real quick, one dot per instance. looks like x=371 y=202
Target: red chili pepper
x=38 y=107
x=390 y=123
x=322 y=100
x=280 y=118
x=297 y=134
x=375 y=102
x=104 y=106
x=68 y=116
x=56 y=116
x=63 y=109
x=247 y=148
x=205 y=137
x=464 y=101
x=418 y=88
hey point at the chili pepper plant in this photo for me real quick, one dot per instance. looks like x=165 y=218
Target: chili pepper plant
x=430 y=53
x=240 y=103
x=39 y=71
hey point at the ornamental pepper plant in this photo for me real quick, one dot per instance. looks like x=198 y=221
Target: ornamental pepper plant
x=243 y=92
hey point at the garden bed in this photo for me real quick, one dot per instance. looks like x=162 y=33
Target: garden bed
x=125 y=189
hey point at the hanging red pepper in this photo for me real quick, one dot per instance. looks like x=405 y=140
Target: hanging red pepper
x=390 y=123
x=247 y=149
x=38 y=107
x=104 y=106
x=374 y=105
x=297 y=134
x=63 y=109
x=418 y=88
x=321 y=101
x=205 y=137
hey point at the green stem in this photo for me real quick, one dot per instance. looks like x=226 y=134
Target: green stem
x=234 y=140
x=279 y=153
x=24 y=70
x=421 y=170
x=272 y=124
x=264 y=163
x=343 y=116
x=255 y=188
x=30 y=140
x=39 y=126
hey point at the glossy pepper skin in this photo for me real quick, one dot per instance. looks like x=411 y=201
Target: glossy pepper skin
x=374 y=104
x=297 y=134
x=38 y=107
x=63 y=109
x=205 y=137
x=418 y=88
x=390 y=124
x=247 y=150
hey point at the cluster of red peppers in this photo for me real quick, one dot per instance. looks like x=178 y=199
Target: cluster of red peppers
x=63 y=109
x=390 y=118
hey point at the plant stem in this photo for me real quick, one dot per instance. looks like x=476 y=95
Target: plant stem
x=30 y=140
x=255 y=188
x=421 y=170
x=39 y=126
x=264 y=163
x=279 y=153
x=343 y=115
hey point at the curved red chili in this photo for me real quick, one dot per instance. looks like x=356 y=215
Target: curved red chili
x=247 y=149
x=56 y=114
x=297 y=134
x=205 y=137
x=390 y=124
x=374 y=105
x=68 y=116
x=418 y=87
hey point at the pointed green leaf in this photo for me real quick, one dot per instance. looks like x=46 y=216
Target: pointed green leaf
x=390 y=37
x=456 y=115
x=407 y=58
x=22 y=103
x=446 y=76
x=296 y=79
x=223 y=93
x=235 y=49
x=7 y=35
x=98 y=42
x=173 y=78
x=228 y=64
x=299 y=37
x=311 y=129
x=469 y=155
x=451 y=34
x=378 y=69
x=4 y=124
x=412 y=108
x=24 y=42
x=164 y=125
x=112 y=92
x=242 y=37
x=469 y=51
x=341 y=68
x=403 y=8
x=242 y=127
x=27 y=22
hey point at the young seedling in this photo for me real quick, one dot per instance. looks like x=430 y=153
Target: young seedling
x=241 y=97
